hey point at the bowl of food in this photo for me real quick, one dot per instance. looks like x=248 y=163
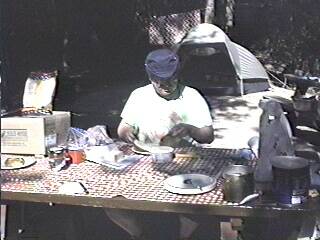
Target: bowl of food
x=162 y=154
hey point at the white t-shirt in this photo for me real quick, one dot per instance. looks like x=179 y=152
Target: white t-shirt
x=153 y=116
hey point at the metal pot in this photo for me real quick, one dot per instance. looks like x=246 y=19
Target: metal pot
x=239 y=183
x=162 y=154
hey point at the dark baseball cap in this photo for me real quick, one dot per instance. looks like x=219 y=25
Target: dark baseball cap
x=162 y=64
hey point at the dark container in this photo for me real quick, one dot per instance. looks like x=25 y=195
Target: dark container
x=291 y=179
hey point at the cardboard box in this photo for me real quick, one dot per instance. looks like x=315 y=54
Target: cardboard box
x=34 y=134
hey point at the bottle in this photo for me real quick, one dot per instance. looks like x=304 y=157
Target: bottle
x=275 y=139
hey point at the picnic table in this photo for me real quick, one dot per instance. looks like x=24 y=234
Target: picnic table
x=139 y=186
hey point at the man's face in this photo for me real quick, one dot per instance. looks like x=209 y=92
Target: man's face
x=165 y=87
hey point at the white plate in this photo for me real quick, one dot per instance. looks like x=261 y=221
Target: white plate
x=28 y=161
x=135 y=150
x=147 y=147
x=122 y=163
x=190 y=184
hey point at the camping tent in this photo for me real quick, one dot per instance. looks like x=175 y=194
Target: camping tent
x=208 y=54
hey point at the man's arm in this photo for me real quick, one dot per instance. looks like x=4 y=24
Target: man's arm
x=202 y=135
x=126 y=132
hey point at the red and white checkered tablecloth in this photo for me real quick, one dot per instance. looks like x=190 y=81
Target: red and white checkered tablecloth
x=142 y=180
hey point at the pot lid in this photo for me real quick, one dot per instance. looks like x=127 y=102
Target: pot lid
x=289 y=162
x=190 y=183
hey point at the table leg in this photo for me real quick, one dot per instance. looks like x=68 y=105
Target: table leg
x=3 y=221
x=227 y=231
x=22 y=213
x=308 y=227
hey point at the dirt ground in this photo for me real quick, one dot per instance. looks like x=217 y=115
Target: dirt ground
x=236 y=119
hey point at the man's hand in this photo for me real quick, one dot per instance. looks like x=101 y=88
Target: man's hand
x=201 y=135
x=126 y=132
x=129 y=137
x=181 y=130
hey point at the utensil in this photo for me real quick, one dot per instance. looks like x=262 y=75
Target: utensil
x=250 y=198
x=190 y=181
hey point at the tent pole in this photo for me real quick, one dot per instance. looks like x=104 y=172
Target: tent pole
x=241 y=86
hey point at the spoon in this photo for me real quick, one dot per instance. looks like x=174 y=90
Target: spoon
x=190 y=182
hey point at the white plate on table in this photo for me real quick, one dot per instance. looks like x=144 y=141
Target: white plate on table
x=27 y=161
x=144 y=148
x=122 y=163
x=138 y=151
x=190 y=184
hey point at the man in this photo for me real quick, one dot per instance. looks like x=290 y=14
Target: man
x=165 y=108
x=163 y=112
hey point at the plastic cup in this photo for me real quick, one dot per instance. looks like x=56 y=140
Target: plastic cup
x=76 y=155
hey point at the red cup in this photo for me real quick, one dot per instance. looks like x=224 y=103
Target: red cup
x=76 y=155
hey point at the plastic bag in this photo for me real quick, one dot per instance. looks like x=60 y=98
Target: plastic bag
x=39 y=90
x=77 y=137
x=99 y=147
x=99 y=133
x=94 y=136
